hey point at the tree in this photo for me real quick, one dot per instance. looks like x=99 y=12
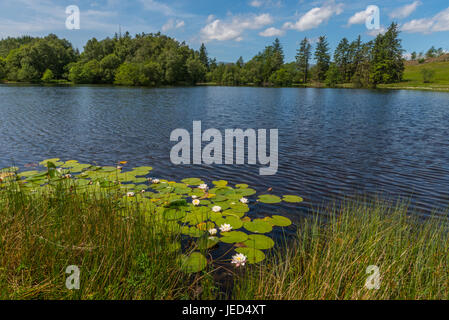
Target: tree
x=387 y=60
x=203 y=56
x=322 y=58
x=427 y=75
x=342 y=59
x=303 y=57
x=413 y=55
x=196 y=69
x=431 y=53
x=48 y=76
x=333 y=75
x=108 y=68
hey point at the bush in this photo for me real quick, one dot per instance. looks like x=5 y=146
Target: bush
x=427 y=75
x=48 y=76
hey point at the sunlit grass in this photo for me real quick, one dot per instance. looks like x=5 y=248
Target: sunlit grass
x=329 y=260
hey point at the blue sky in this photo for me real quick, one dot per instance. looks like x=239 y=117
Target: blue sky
x=231 y=28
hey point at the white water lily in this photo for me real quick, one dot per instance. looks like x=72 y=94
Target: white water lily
x=143 y=191
x=155 y=181
x=225 y=227
x=67 y=176
x=239 y=260
x=194 y=197
x=196 y=202
x=203 y=186
x=244 y=200
x=130 y=194
x=213 y=231
x=119 y=167
x=216 y=209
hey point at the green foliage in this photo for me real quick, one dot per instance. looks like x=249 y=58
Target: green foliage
x=209 y=218
x=428 y=75
x=48 y=76
x=303 y=57
x=322 y=58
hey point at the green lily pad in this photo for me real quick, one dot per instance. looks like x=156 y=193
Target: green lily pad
x=235 y=222
x=292 y=199
x=193 y=263
x=241 y=186
x=253 y=255
x=174 y=214
x=192 y=181
x=268 y=198
x=220 y=183
x=281 y=221
x=233 y=237
x=258 y=226
x=259 y=241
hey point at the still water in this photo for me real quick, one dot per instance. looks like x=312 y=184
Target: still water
x=333 y=143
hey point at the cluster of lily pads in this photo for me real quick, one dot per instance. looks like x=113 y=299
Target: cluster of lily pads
x=208 y=215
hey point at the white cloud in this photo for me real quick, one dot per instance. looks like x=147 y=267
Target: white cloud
x=361 y=16
x=233 y=28
x=315 y=17
x=272 y=32
x=405 y=11
x=439 y=22
x=152 y=5
x=173 y=24
x=260 y=3
x=376 y=32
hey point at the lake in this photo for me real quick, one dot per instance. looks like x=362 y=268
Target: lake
x=333 y=143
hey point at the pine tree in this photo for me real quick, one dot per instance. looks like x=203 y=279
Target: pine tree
x=342 y=57
x=303 y=57
x=203 y=56
x=322 y=58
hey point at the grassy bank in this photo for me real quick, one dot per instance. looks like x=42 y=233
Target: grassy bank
x=330 y=260
x=132 y=246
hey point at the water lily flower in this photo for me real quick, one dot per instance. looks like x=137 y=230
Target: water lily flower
x=119 y=167
x=194 y=197
x=156 y=181
x=196 y=202
x=130 y=194
x=67 y=176
x=225 y=227
x=239 y=260
x=142 y=191
x=244 y=200
x=216 y=209
x=203 y=187
x=213 y=231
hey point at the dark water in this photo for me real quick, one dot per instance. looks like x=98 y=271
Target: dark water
x=332 y=143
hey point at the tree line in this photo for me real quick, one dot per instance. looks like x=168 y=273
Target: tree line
x=155 y=59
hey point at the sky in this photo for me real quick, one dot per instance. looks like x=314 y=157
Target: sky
x=232 y=28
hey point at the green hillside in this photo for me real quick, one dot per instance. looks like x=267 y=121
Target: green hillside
x=413 y=76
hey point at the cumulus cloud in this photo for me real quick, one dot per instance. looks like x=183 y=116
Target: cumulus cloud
x=233 y=28
x=361 y=16
x=405 y=11
x=439 y=22
x=272 y=32
x=173 y=24
x=315 y=17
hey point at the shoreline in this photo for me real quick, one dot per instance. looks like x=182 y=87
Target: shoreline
x=297 y=86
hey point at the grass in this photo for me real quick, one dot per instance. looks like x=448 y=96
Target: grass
x=413 y=78
x=123 y=255
x=330 y=260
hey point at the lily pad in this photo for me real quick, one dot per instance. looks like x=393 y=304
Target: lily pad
x=281 y=221
x=258 y=226
x=268 y=198
x=253 y=255
x=292 y=199
x=193 y=181
x=259 y=241
x=193 y=263
x=233 y=237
